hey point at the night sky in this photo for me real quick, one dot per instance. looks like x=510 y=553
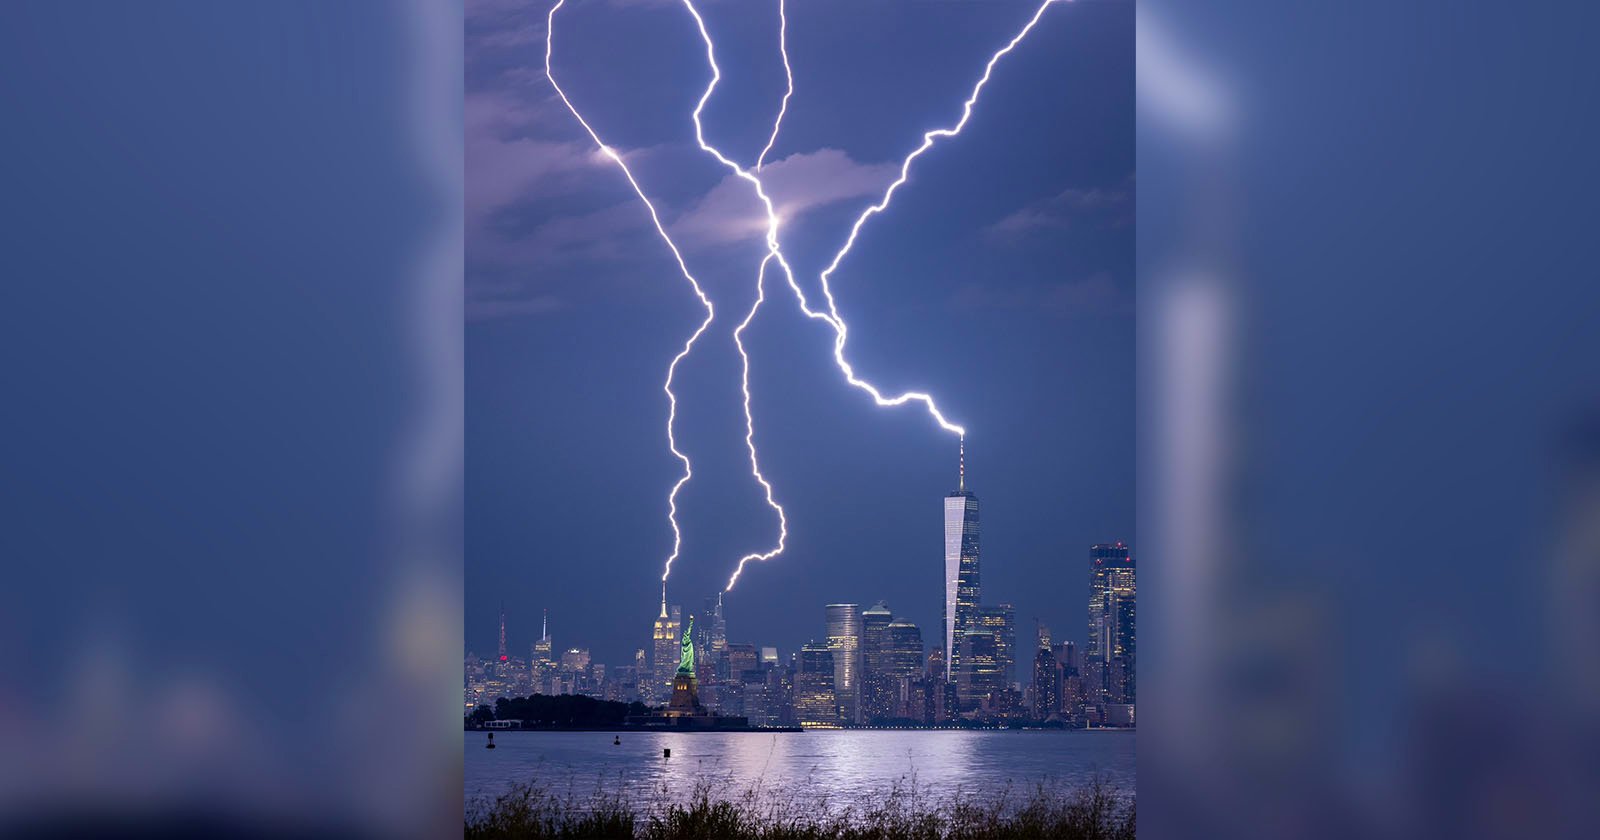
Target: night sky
x=1000 y=281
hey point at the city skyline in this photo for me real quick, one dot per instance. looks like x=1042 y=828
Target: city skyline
x=869 y=667
x=665 y=634
x=1001 y=281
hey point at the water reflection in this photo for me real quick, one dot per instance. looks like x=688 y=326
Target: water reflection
x=836 y=766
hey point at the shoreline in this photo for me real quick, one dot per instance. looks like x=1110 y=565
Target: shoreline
x=789 y=729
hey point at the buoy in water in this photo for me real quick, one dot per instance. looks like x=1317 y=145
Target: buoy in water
x=616 y=741
x=490 y=745
x=666 y=752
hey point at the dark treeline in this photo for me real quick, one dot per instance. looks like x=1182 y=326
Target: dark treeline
x=562 y=711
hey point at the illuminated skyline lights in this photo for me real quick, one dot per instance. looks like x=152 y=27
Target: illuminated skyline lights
x=672 y=399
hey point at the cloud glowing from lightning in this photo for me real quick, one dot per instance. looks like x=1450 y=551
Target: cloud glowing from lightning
x=655 y=218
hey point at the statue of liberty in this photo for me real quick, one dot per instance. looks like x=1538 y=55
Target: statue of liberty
x=686 y=654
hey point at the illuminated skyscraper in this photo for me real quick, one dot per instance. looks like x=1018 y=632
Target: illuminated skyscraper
x=988 y=653
x=1001 y=620
x=575 y=659
x=719 y=629
x=961 y=583
x=904 y=659
x=741 y=658
x=814 y=701
x=877 y=690
x=844 y=639
x=502 y=633
x=541 y=648
x=978 y=679
x=1113 y=649
x=903 y=670
x=665 y=640
x=1046 y=677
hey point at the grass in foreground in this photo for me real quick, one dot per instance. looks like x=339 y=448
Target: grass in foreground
x=531 y=811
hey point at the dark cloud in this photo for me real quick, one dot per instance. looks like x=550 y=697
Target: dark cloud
x=1098 y=207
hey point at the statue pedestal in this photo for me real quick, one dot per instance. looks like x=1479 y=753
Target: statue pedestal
x=685 y=697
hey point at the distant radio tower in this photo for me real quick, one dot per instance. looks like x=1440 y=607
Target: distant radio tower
x=502 y=632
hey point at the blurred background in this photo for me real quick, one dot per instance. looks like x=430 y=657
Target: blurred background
x=231 y=319
x=1369 y=418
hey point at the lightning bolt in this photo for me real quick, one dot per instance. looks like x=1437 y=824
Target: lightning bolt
x=905 y=174
x=788 y=74
x=774 y=252
x=750 y=429
x=655 y=218
x=831 y=316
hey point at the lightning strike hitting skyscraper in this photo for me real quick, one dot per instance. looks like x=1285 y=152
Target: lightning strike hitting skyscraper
x=841 y=331
x=774 y=247
x=831 y=316
x=672 y=399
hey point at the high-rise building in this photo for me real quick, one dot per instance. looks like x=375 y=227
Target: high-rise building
x=1112 y=641
x=987 y=651
x=1067 y=655
x=961 y=583
x=844 y=639
x=665 y=641
x=1046 y=677
x=978 y=680
x=903 y=670
x=575 y=659
x=503 y=657
x=942 y=692
x=719 y=628
x=740 y=658
x=814 y=701
x=1001 y=620
x=905 y=649
x=541 y=648
x=878 y=691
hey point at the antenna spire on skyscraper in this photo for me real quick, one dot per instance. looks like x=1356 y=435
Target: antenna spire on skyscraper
x=502 y=631
x=963 y=477
x=545 y=633
x=663 y=599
